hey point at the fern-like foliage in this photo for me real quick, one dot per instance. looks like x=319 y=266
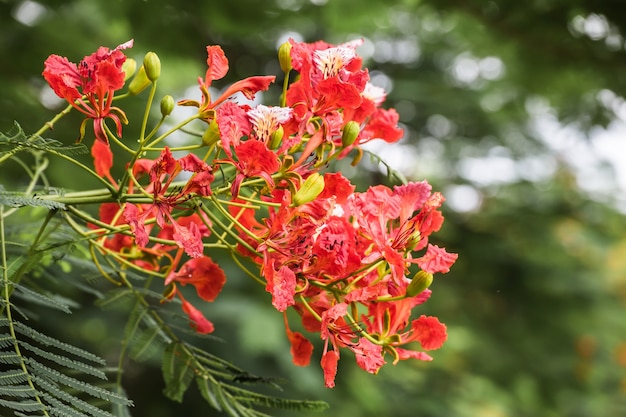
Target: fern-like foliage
x=16 y=141
x=41 y=375
x=36 y=378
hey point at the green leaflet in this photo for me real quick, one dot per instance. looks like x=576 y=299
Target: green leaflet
x=177 y=371
x=148 y=343
x=18 y=200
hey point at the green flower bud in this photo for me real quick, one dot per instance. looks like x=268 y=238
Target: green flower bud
x=276 y=137
x=350 y=132
x=284 y=57
x=212 y=134
x=152 y=64
x=167 y=105
x=129 y=67
x=139 y=82
x=420 y=282
x=310 y=189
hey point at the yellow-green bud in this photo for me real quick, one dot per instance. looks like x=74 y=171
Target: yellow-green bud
x=413 y=240
x=212 y=134
x=284 y=57
x=129 y=67
x=276 y=137
x=310 y=189
x=167 y=105
x=139 y=82
x=152 y=64
x=350 y=132
x=420 y=282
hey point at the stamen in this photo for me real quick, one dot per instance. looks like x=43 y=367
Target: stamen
x=266 y=119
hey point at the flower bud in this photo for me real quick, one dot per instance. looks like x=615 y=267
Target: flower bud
x=275 y=138
x=152 y=64
x=284 y=57
x=167 y=105
x=310 y=189
x=420 y=282
x=139 y=82
x=129 y=67
x=212 y=134
x=350 y=132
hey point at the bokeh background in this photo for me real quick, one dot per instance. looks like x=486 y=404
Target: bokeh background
x=515 y=110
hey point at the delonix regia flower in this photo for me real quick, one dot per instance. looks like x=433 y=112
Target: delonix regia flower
x=89 y=87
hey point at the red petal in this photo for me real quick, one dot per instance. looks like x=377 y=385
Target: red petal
x=255 y=158
x=429 y=331
x=233 y=124
x=102 y=158
x=202 y=273
x=131 y=214
x=198 y=321
x=436 y=260
x=407 y=354
x=368 y=356
x=63 y=77
x=329 y=365
x=383 y=125
x=282 y=285
x=248 y=87
x=189 y=238
x=218 y=64
x=301 y=348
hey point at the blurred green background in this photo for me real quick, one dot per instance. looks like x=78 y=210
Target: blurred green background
x=515 y=110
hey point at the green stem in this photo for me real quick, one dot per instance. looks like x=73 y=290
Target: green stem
x=49 y=125
x=142 y=134
x=172 y=130
x=228 y=230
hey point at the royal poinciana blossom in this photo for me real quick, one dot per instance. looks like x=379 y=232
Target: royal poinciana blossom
x=355 y=266
x=89 y=87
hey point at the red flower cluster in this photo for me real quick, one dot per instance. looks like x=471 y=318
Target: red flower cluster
x=341 y=259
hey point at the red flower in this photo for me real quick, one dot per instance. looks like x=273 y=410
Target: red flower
x=96 y=78
x=188 y=237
